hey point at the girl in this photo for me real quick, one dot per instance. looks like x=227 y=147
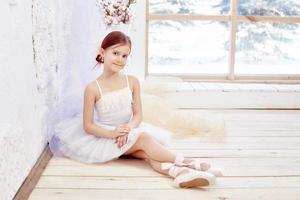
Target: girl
x=118 y=129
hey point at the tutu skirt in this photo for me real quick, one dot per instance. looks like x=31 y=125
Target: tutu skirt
x=72 y=141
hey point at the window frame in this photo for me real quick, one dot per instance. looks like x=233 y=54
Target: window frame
x=234 y=19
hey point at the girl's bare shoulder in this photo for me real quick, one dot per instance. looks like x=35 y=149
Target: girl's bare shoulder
x=91 y=89
x=133 y=80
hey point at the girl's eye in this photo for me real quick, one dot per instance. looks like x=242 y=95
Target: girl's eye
x=124 y=56
x=116 y=53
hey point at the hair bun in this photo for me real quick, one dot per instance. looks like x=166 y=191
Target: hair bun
x=98 y=58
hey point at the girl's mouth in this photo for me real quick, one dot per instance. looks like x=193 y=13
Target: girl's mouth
x=118 y=65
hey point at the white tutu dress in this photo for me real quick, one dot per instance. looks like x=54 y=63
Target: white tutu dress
x=113 y=108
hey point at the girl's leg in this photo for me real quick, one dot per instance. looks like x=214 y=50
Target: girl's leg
x=157 y=152
x=183 y=177
x=154 y=164
x=140 y=154
x=153 y=149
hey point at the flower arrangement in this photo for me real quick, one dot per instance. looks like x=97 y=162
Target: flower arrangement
x=115 y=11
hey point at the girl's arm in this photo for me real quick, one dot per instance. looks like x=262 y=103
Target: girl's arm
x=88 y=116
x=137 y=104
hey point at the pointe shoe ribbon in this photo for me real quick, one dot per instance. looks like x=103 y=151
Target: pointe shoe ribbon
x=165 y=166
x=173 y=171
x=197 y=165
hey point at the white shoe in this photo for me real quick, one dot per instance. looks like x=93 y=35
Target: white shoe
x=186 y=177
x=194 y=178
x=215 y=171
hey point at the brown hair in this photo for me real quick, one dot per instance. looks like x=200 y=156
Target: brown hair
x=111 y=39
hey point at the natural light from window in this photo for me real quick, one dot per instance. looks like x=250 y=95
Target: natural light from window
x=202 y=37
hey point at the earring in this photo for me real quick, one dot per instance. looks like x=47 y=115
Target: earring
x=99 y=59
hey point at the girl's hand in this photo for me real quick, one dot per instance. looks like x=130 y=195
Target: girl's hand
x=121 y=133
x=126 y=127
x=120 y=130
x=121 y=140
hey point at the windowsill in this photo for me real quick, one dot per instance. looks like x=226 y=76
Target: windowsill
x=236 y=87
x=199 y=95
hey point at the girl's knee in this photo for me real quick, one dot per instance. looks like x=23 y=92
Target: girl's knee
x=145 y=137
x=143 y=141
x=140 y=143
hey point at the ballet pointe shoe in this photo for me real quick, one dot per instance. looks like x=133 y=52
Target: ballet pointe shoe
x=187 y=178
x=215 y=171
x=197 y=165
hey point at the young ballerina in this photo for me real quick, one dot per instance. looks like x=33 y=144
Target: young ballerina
x=118 y=128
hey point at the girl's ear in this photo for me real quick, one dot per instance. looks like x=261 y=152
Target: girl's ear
x=102 y=52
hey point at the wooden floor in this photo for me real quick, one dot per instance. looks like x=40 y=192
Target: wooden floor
x=260 y=157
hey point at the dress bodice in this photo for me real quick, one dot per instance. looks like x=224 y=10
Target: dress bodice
x=115 y=107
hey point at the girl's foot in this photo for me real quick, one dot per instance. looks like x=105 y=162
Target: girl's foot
x=186 y=177
x=197 y=165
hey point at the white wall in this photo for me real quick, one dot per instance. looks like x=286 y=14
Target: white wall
x=137 y=34
x=30 y=53
x=21 y=130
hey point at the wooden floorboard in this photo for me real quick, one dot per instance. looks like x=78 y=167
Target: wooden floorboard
x=193 y=194
x=259 y=155
x=94 y=182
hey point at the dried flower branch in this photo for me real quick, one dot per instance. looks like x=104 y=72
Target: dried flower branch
x=115 y=12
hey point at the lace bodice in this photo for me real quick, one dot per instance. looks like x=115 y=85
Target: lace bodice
x=115 y=107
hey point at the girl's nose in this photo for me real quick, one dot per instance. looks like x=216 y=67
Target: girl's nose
x=119 y=59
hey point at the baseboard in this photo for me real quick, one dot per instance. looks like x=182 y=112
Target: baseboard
x=30 y=182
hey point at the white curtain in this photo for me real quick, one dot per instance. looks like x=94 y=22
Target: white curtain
x=86 y=30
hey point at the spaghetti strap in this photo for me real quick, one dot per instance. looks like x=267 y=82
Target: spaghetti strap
x=99 y=88
x=127 y=81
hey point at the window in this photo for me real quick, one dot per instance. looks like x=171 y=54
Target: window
x=223 y=39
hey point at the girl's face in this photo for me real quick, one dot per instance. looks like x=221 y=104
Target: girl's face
x=115 y=57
